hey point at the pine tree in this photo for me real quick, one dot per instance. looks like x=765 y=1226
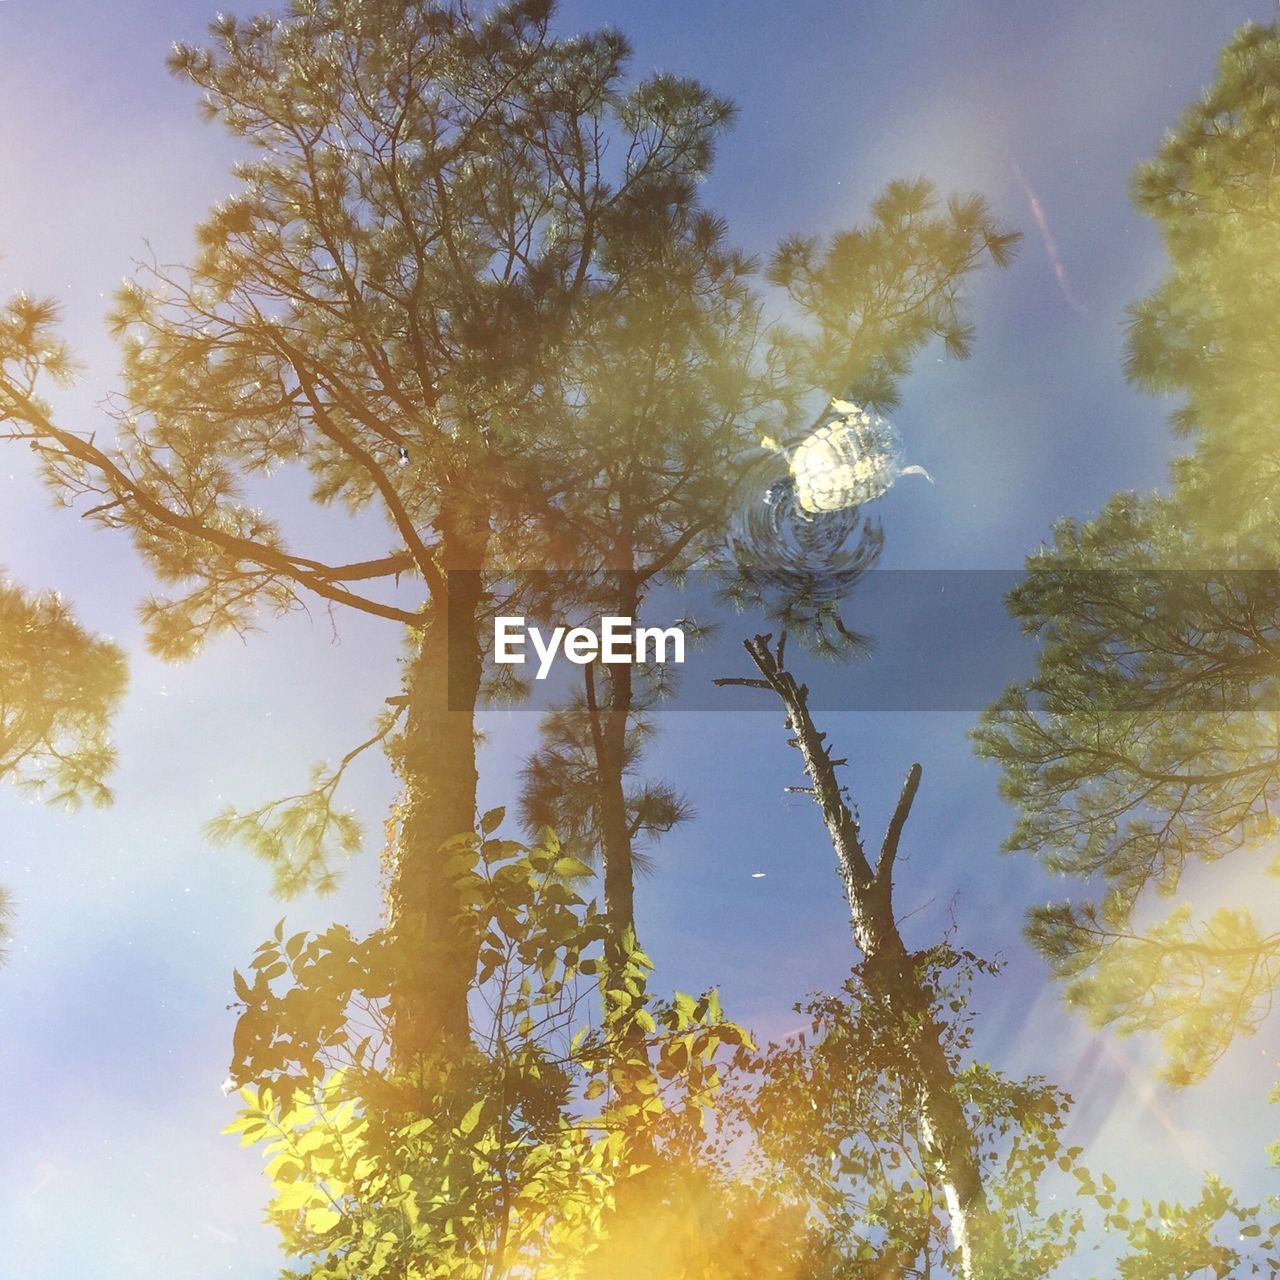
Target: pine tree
x=673 y=395
x=1145 y=742
x=59 y=685
x=466 y=286
x=386 y=305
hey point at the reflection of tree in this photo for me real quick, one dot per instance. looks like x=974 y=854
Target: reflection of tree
x=451 y=217
x=59 y=685
x=648 y=460
x=909 y=1157
x=837 y=1115
x=473 y=248
x=1147 y=740
x=820 y=1158
x=894 y=983
x=433 y=264
x=498 y=1163
x=58 y=688
x=560 y=783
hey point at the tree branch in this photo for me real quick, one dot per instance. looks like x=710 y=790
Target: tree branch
x=889 y=849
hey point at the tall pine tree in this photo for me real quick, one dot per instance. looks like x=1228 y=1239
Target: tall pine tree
x=1146 y=741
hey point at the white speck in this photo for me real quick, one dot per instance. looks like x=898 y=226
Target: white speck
x=757 y=875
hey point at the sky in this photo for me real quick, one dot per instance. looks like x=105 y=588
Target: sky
x=114 y=1027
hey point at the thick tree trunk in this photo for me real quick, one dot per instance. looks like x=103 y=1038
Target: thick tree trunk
x=436 y=761
x=892 y=978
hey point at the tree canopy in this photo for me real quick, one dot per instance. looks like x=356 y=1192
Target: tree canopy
x=59 y=685
x=1145 y=744
x=467 y=309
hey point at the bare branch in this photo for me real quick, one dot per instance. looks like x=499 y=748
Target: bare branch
x=889 y=849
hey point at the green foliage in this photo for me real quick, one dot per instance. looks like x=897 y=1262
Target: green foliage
x=504 y=1159
x=836 y=1116
x=1146 y=740
x=456 y=227
x=1144 y=743
x=58 y=684
x=1206 y=333
x=560 y=784
x=29 y=348
x=830 y=1124
x=659 y=1142
x=59 y=687
x=877 y=294
x=1199 y=983
x=297 y=836
x=1214 y=1237
x=301 y=836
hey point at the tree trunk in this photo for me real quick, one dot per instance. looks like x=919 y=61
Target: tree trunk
x=892 y=978
x=435 y=759
x=609 y=724
x=615 y=833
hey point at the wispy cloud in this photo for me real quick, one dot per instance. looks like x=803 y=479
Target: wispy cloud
x=1050 y=244
x=46 y=1173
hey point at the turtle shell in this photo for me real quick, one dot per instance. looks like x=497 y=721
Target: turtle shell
x=852 y=458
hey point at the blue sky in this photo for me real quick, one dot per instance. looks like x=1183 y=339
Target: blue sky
x=115 y=1034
